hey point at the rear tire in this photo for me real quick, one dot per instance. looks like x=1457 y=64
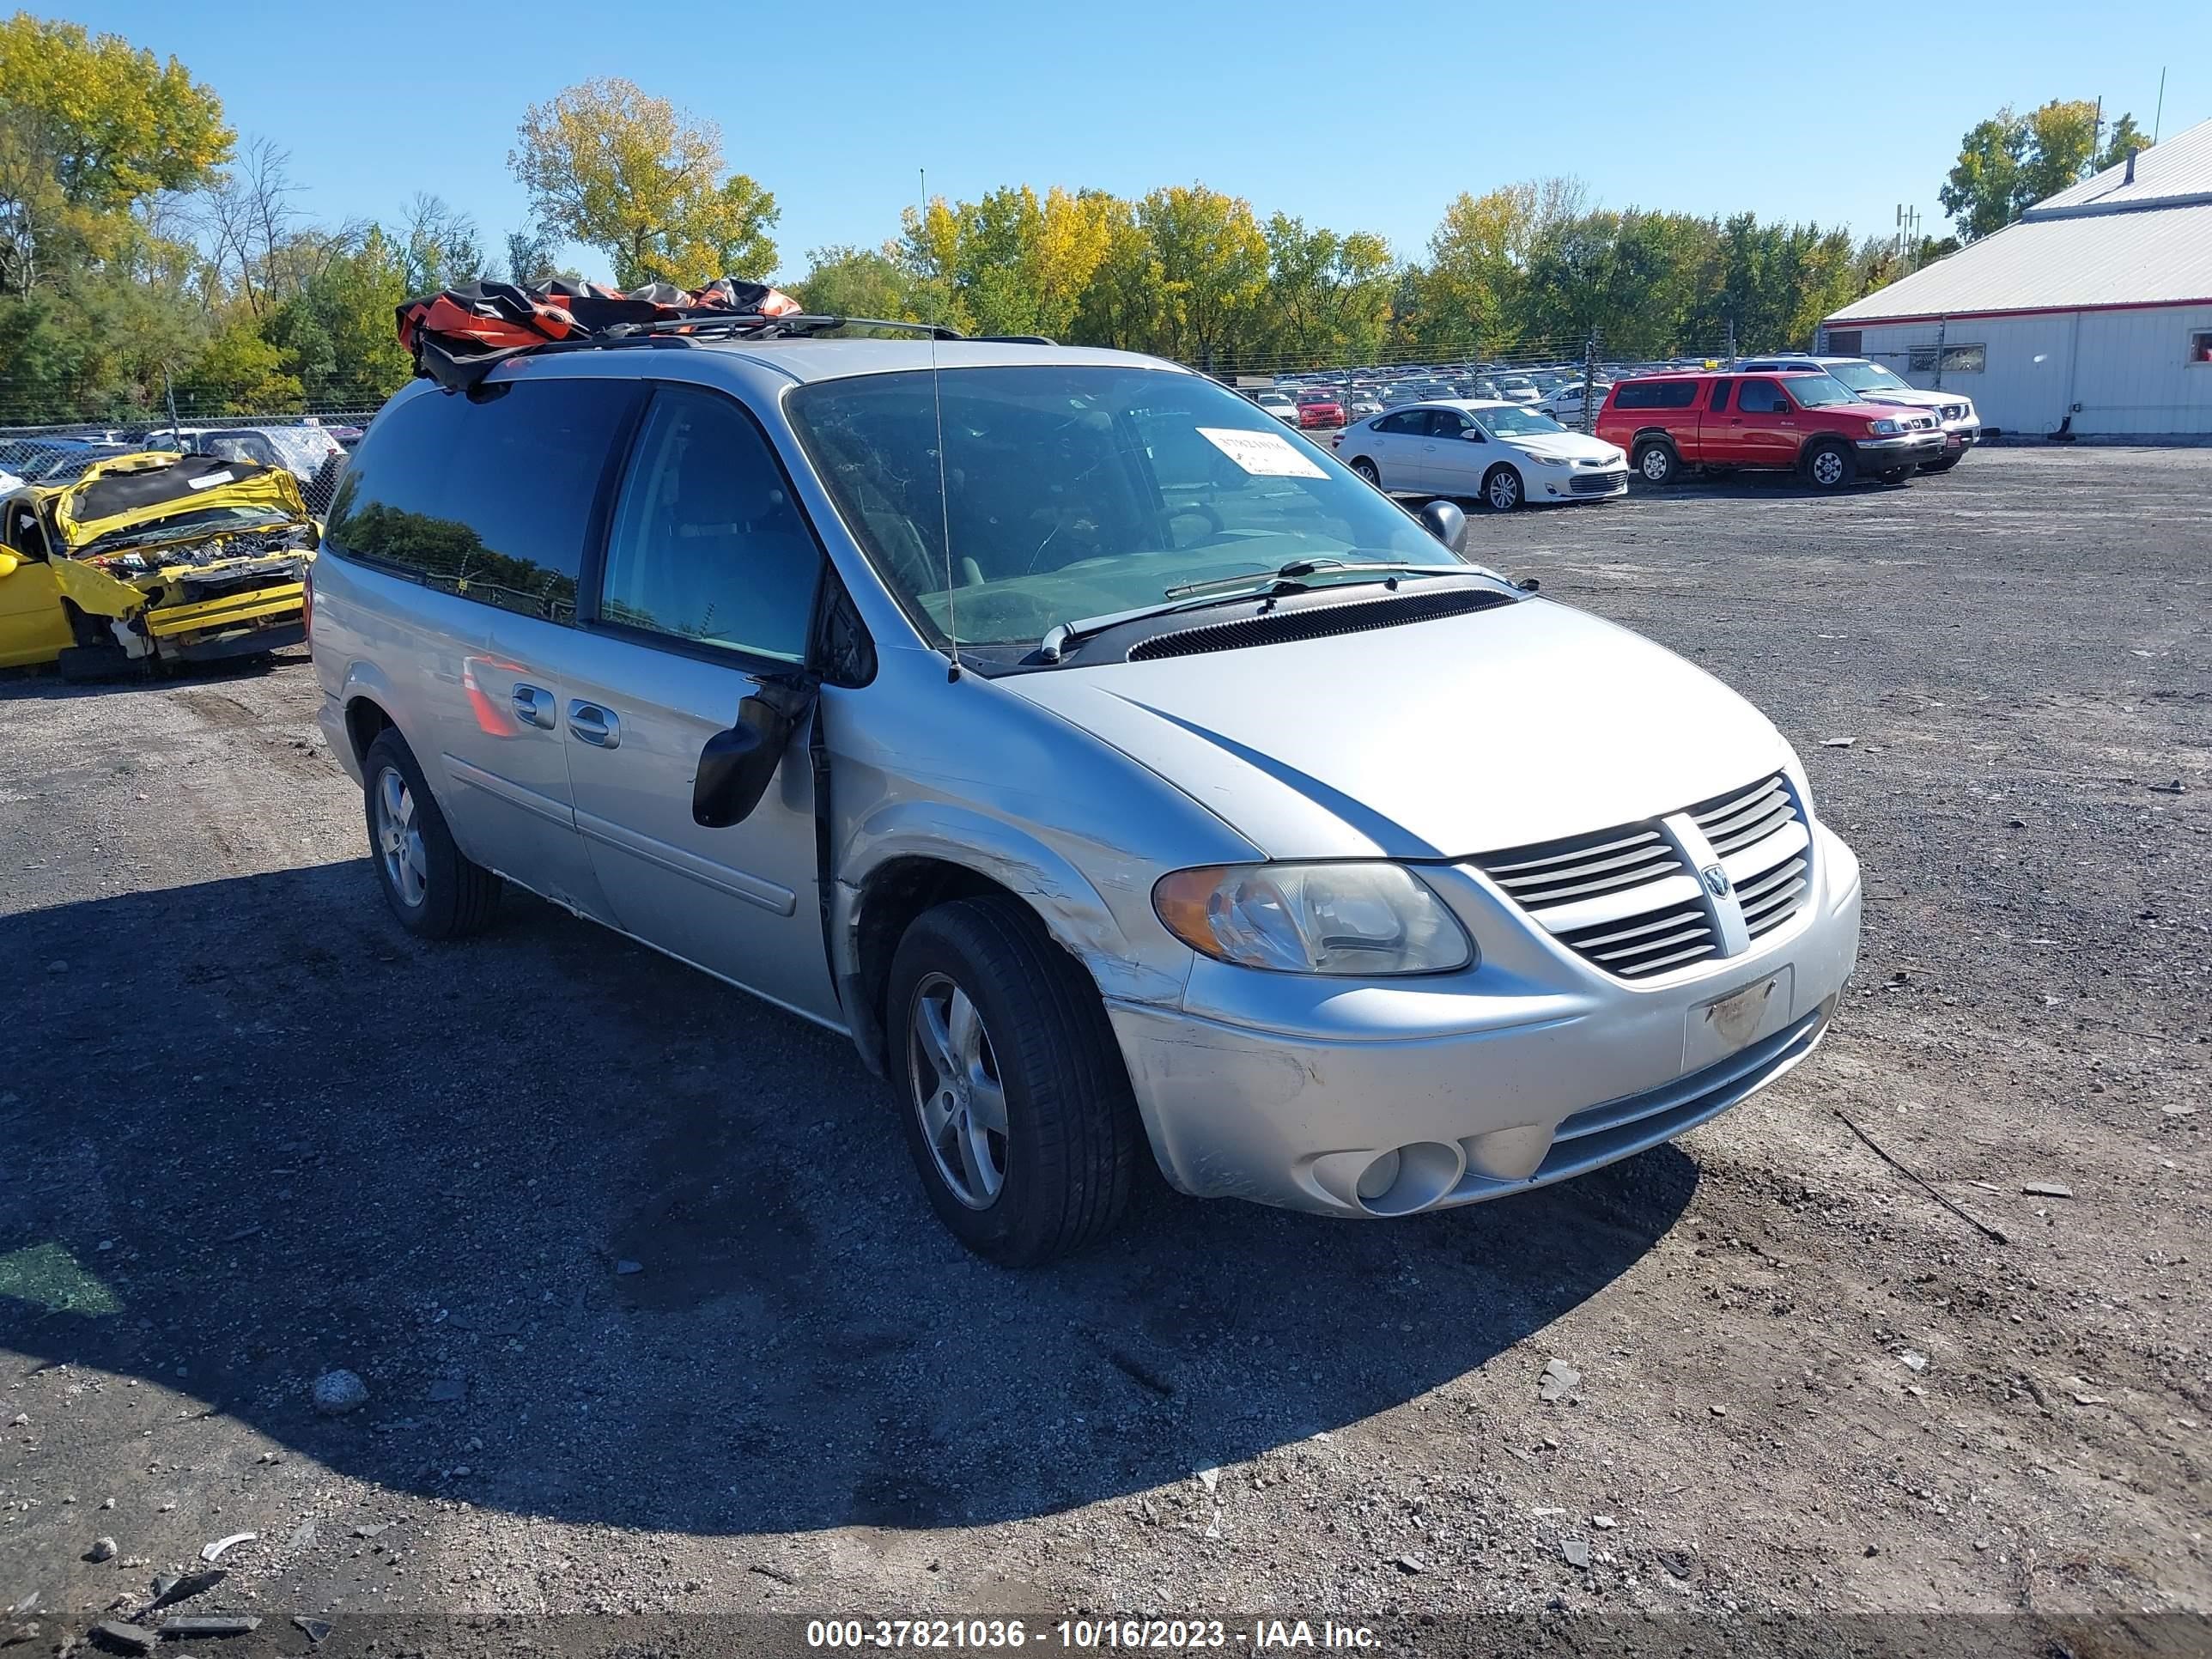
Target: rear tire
x=433 y=890
x=1830 y=465
x=1367 y=470
x=1657 y=463
x=1503 y=490
x=1018 y=1112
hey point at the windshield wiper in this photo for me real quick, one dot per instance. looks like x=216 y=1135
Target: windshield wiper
x=1227 y=590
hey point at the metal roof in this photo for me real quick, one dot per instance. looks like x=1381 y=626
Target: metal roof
x=2181 y=167
x=2102 y=242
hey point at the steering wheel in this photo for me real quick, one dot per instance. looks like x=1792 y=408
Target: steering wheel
x=1214 y=525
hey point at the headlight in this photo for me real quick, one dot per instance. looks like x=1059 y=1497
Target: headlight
x=1886 y=429
x=1548 y=460
x=1346 y=919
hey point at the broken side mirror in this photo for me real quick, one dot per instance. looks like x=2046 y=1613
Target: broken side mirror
x=1446 y=523
x=736 y=766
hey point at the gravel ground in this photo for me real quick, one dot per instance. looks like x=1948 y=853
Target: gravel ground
x=257 y=1132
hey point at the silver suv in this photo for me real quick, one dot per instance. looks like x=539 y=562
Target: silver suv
x=1130 y=780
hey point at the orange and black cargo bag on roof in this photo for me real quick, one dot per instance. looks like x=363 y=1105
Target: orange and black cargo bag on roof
x=458 y=336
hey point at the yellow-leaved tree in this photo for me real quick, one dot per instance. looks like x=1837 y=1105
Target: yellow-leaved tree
x=609 y=165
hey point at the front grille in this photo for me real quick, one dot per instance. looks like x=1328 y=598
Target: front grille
x=1598 y=484
x=1629 y=902
x=1748 y=828
x=1626 y=899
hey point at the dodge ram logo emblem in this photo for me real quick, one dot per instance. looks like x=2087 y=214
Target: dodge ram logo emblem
x=1717 y=881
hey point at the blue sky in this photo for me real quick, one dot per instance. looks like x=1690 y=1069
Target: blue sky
x=1355 y=116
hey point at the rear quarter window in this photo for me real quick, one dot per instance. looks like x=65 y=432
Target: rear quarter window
x=1655 y=394
x=488 y=497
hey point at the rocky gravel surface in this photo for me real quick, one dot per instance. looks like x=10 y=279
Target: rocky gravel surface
x=646 y=1317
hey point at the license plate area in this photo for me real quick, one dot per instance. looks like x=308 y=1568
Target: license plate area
x=1713 y=1030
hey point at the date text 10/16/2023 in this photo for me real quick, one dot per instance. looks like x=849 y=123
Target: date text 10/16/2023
x=1091 y=1635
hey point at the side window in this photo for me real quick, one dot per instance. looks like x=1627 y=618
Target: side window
x=707 y=543
x=25 y=535
x=1720 y=395
x=1760 y=398
x=490 y=499
x=1634 y=395
x=1400 y=424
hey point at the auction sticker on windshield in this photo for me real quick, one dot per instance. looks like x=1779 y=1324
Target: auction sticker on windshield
x=1267 y=454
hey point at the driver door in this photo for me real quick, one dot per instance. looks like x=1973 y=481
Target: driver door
x=1454 y=455
x=33 y=628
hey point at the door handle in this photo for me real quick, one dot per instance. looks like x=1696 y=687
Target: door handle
x=533 y=706
x=594 y=725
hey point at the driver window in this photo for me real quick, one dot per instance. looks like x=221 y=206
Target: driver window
x=24 y=534
x=707 y=543
x=1759 y=398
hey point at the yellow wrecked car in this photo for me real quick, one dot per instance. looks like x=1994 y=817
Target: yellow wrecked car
x=151 y=559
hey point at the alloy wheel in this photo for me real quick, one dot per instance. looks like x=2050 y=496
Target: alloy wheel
x=1655 y=465
x=958 y=1091
x=1827 y=468
x=1505 y=491
x=399 y=839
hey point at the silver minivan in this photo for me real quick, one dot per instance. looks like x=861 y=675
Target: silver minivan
x=1129 y=779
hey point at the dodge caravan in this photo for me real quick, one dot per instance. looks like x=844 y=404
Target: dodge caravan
x=1126 y=778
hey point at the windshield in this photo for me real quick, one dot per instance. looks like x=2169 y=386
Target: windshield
x=1515 y=422
x=1869 y=377
x=1074 y=492
x=1819 y=391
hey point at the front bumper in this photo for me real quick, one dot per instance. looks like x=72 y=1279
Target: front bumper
x=1959 y=436
x=1531 y=1069
x=1548 y=483
x=1906 y=449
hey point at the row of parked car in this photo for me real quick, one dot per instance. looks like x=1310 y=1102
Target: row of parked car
x=307 y=449
x=1834 y=420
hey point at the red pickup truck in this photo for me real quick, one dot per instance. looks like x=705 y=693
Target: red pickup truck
x=1808 y=422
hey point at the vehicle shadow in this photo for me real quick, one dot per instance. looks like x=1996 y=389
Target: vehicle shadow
x=638 y=1250
x=44 y=684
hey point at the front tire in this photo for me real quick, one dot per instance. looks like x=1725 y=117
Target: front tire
x=1657 y=464
x=1830 y=465
x=1367 y=470
x=432 y=888
x=1502 y=488
x=1943 y=465
x=1018 y=1112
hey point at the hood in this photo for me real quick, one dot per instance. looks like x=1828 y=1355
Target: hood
x=1567 y=446
x=1437 y=739
x=1912 y=398
x=135 y=491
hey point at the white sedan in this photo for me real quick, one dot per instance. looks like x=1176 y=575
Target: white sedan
x=1506 y=455
x=1277 y=404
x=1565 y=404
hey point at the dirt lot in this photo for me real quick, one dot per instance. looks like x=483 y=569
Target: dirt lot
x=253 y=1132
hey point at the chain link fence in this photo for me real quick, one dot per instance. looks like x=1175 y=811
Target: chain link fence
x=313 y=447
x=1566 y=377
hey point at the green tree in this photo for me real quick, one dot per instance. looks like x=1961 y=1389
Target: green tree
x=2009 y=162
x=1328 y=296
x=336 y=333
x=608 y=164
x=2124 y=138
x=1212 y=258
x=852 y=282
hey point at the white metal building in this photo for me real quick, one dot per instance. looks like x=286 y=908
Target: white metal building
x=2096 y=304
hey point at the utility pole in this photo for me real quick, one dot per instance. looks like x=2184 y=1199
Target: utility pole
x=2159 y=118
x=169 y=397
x=1731 y=342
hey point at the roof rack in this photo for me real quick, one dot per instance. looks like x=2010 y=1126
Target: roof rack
x=760 y=325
